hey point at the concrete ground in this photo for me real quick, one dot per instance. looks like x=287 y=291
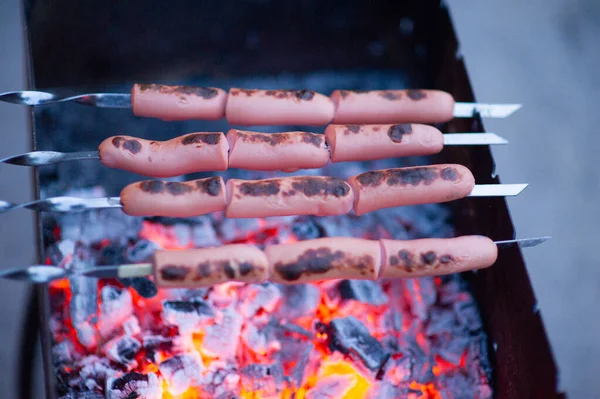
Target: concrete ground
x=542 y=53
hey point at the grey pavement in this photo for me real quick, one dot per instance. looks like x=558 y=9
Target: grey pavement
x=542 y=53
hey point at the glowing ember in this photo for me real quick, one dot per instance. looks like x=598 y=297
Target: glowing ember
x=336 y=339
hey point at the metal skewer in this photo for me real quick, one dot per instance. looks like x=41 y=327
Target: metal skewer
x=73 y=204
x=122 y=100
x=40 y=158
x=40 y=274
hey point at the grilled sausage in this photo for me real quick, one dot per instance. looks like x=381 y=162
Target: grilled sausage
x=278 y=107
x=370 y=142
x=392 y=106
x=174 y=199
x=205 y=267
x=323 y=259
x=433 y=257
x=276 y=151
x=299 y=195
x=410 y=186
x=175 y=103
x=194 y=152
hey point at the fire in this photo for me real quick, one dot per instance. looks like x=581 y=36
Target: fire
x=344 y=371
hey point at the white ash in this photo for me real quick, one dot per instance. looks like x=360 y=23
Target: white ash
x=299 y=300
x=123 y=350
x=332 y=387
x=221 y=339
x=182 y=372
x=116 y=306
x=266 y=378
x=256 y=297
x=134 y=385
x=84 y=291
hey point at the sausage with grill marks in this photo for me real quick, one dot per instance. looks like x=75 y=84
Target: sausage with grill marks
x=195 y=152
x=177 y=103
x=298 y=195
x=389 y=188
x=287 y=152
x=324 y=259
x=174 y=199
x=436 y=256
x=371 y=142
x=392 y=106
x=205 y=267
x=278 y=107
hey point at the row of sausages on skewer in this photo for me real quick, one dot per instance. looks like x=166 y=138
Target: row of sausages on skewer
x=299 y=195
x=288 y=152
x=290 y=107
x=322 y=259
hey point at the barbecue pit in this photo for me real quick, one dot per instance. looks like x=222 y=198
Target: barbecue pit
x=362 y=46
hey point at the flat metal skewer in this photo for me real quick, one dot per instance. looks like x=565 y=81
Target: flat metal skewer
x=40 y=274
x=123 y=100
x=40 y=158
x=73 y=204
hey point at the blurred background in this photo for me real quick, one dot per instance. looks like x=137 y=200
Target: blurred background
x=542 y=53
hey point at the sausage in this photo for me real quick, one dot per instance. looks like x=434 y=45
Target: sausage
x=174 y=199
x=178 y=103
x=436 y=256
x=370 y=142
x=205 y=267
x=276 y=151
x=323 y=259
x=278 y=107
x=299 y=195
x=392 y=106
x=389 y=188
x=196 y=152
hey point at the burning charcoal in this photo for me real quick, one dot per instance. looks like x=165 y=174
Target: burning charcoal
x=116 y=306
x=468 y=315
x=349 y=336
x=442 y=321
x=144 y=287
x=112 y=254
x=84 y=304
x=181 y=372
x=453 y=350
x=299 y=300
x=421 y=295
x=421 y=362
x=264 y=378
x=221 y=339
x=307 y=228
x=142 y=251
x=123 y=350
x=186 y=314
x=297 y=373
x=91 y=227
x=385 y=390
x=134 y=385
x=264 y=296
x=364 y=291
x=478 y=365
x=293 y=328
x=255 y=339
x=399 y=369
x=88 y=395
x=131 y=326
x=335 y=386
x=94 y=367
x=220 y=378
x=392 y=320
x=63 y=352
x=153 y=343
